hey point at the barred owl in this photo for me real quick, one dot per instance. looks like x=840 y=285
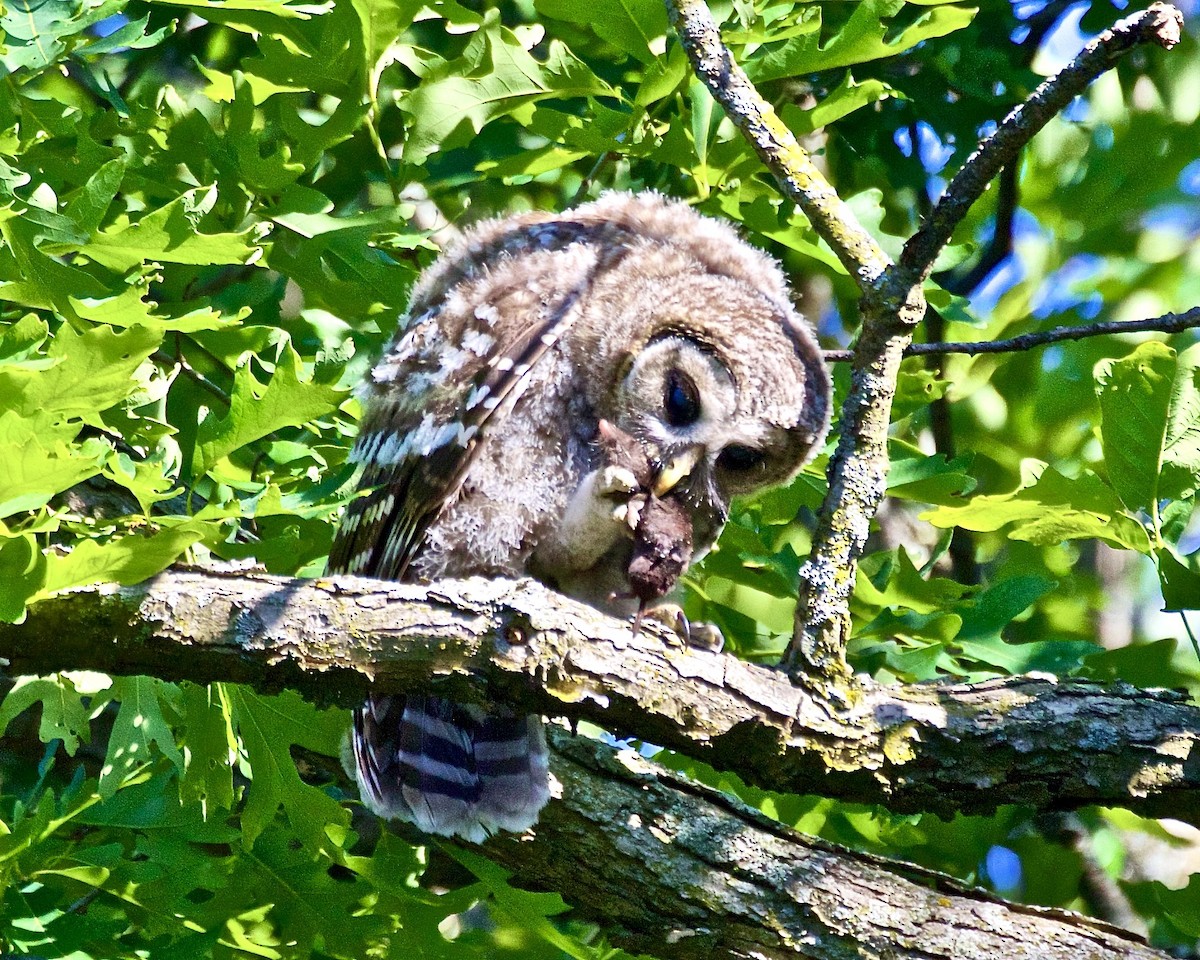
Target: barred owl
x=482 y=451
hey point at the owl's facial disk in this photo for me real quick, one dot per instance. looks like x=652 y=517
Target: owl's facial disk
x=681 y=402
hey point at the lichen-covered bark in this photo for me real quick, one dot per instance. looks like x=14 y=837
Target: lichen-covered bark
x=793 y=169
x=681 y=871
x=857 y=482
x=928 y=747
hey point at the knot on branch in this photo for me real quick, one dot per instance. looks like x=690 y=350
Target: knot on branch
x=1164 y=25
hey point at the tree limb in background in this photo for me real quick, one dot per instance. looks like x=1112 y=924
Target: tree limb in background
x=1167 y=323
x=688 y=873
x=1001 y=244
x=926 y=747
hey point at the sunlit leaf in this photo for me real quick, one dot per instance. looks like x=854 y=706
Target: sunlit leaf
x=861 y=39
x=288 y=399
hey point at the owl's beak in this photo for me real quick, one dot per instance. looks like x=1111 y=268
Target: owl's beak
x=676 y=470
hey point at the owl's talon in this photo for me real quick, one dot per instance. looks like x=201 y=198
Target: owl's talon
x=629 y=514
x=616 y=482
x=700 y=635
x=669 y=615
x=705 y=636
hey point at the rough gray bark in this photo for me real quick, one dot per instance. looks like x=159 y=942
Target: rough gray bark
x=684 y=872
x=928 y=747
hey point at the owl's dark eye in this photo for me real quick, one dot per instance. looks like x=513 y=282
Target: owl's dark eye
x=739 y=459
x=681 y=401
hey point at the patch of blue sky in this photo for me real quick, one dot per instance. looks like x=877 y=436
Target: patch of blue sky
x=1071 y=287
x=1002 y=867
x=1052 y=357
x=1182 y=219
x=1063 y=41
x=932 y=151
x=830 y=325
x=1009 y=271
x=1077 y=110
x=110 y=25
x=1189 y=179
x=1004 y=276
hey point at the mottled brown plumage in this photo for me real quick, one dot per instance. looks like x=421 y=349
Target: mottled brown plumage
x=480 y=451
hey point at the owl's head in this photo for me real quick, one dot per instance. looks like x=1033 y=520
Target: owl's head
x=717 y=375
x=684 y=403
x=716 y=423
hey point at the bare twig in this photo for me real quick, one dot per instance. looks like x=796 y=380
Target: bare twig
x=1161 y=23
x=1167 y=323
x=191 y=373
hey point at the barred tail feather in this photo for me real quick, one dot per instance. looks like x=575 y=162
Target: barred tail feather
x=450 y=769
x=514 y=771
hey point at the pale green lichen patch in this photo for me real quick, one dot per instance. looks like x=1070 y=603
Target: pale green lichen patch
x=898 y=743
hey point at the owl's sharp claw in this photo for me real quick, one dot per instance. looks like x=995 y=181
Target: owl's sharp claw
x=700 y=635
x=705 y=636
x=629 y=513
x=617 y=482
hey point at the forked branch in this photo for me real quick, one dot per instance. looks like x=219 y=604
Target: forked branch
x=891 y=306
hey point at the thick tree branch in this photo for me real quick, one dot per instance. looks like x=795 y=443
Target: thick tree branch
x=667 y=865
x=686 y=872
x=928 y=747
x=1161 y=23
x=1167 y=323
